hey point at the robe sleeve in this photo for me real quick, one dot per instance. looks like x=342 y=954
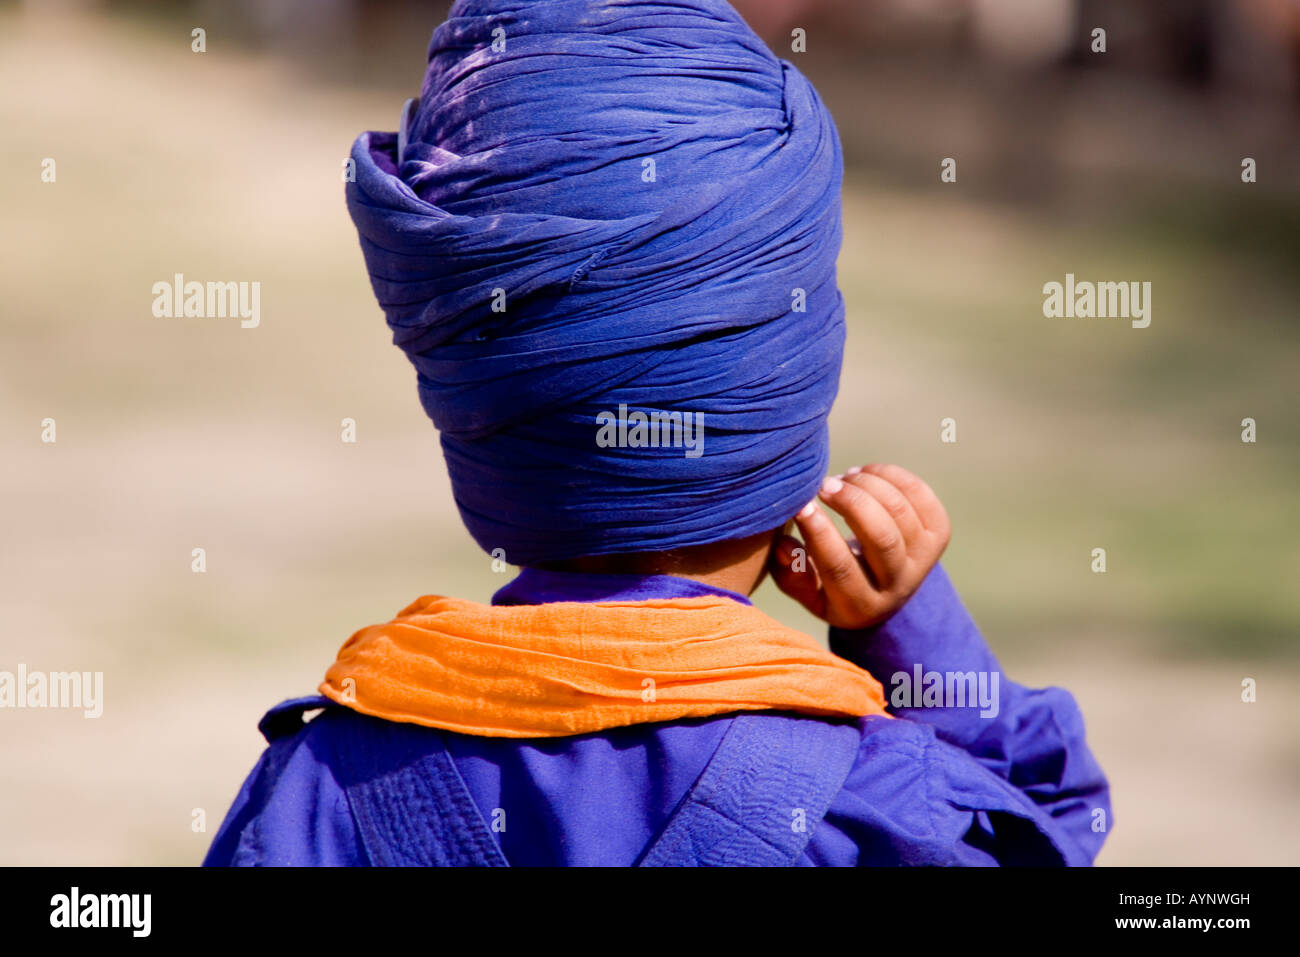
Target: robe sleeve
x=291 y=811
x=1035 y=742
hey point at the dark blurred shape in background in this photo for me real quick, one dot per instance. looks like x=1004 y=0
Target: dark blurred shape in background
x=1014 y=83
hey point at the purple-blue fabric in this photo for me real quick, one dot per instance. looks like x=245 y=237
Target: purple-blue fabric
x=606 y=204
x=934 y=786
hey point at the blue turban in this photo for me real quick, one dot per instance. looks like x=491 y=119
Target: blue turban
x=604 y=209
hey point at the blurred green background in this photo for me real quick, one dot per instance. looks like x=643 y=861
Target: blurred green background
x=1072 y=434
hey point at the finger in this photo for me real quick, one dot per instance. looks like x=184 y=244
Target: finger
x=795 y=575
x=883 y=546
x=841 y=574
x=927 y=505
x=895 y=503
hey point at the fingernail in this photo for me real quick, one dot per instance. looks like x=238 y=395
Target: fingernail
x=854 y=470
x=831 y=485
x=808 y=509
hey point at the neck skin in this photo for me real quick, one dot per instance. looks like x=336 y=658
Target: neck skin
x=737 y=565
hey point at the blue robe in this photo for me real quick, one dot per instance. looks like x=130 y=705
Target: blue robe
x=933 y=786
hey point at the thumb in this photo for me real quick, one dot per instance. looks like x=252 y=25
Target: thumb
x=794 y=574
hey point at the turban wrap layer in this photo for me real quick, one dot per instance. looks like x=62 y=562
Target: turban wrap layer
x=603 y=204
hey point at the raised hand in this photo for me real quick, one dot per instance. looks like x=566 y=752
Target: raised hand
x=901 y=528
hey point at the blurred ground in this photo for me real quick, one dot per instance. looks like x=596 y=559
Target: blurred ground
x=174 y=434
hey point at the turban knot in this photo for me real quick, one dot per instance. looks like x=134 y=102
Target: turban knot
x=608 y=248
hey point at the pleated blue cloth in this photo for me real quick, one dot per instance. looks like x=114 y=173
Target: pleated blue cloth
x=612 y=207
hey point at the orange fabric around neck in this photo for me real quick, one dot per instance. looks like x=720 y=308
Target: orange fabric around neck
x=564 y=668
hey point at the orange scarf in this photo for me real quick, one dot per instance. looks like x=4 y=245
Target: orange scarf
x=563 y=668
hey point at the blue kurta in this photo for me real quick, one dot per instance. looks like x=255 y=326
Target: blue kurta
x=935 y=786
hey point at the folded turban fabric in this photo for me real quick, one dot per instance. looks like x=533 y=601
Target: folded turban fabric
x=612 y=207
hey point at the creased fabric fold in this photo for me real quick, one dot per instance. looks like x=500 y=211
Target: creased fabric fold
x=566 y=668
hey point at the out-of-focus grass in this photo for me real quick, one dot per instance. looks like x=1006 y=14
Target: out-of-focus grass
x=1075 y=434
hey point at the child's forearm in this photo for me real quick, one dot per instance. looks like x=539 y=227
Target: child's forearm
x=930 y=656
